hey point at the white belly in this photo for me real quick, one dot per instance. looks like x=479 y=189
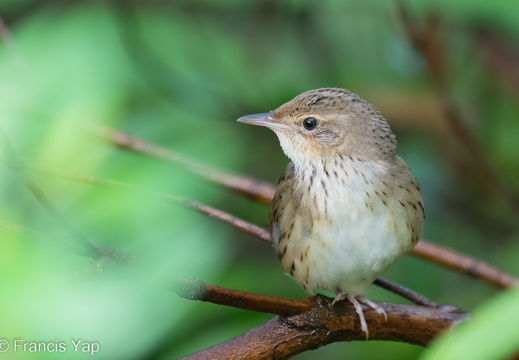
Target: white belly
x=352 y=238
x=353 y=251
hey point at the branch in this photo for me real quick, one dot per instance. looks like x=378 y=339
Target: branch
x=315 y=321
x=407 y=293
x=281 y=338
x=257 y=190
x=107 y=254
x=201 y=208
x=194 y=289
x=17 y=167
x=464 y=264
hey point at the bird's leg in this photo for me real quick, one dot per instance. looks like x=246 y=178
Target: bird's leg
x=358 y=308
x=356 y=300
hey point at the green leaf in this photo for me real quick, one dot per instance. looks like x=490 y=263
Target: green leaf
x=491 y=333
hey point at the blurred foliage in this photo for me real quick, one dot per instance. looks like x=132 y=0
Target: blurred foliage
x=178 y=73
x=471 y=340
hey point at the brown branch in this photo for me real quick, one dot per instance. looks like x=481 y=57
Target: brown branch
x=281 y=338
x=235 y=221
x=194 y=289
x=315 y=320
x=5 y=34
x=306 y=317
x=201 y=208
x=255 y=189
x=407 y=293
x=464 y=264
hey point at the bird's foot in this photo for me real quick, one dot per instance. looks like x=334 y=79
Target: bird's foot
x=373 y=305
x=356 y=300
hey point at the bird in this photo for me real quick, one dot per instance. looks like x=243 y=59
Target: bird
x=347 y=205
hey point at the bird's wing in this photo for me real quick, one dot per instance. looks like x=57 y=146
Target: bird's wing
x=281 y=199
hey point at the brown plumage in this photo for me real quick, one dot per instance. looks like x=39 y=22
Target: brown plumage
x=347 y=205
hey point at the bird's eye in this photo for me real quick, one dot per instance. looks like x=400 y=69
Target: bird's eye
x=310 y=123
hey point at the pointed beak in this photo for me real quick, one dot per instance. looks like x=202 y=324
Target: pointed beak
x=264 y=119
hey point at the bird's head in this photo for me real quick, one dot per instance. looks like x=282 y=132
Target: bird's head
x=325 y=123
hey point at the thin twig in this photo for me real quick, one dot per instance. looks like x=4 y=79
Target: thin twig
x=17 y=168
x=255 y=189
x=464 y=264
x=407 y=293
x=235 y=221
x=113 y=255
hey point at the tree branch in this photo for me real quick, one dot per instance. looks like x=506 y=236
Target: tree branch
x=281 y=338
x=201 y=208
x=254 y=189
x=315 y=320
x=464 y=264
x=194 y=289
x=407 y=293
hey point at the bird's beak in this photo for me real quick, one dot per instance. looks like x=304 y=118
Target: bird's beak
x=264 y=119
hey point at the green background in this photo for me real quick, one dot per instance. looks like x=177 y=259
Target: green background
x=179 y=73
